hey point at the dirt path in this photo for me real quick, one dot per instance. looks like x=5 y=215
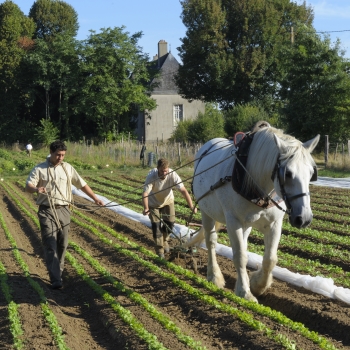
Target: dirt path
x=89 y=322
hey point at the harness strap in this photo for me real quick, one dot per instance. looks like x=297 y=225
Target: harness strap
x=218 y=184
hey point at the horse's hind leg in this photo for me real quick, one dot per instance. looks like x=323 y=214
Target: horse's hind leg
x=261 y=280
x=213 y=270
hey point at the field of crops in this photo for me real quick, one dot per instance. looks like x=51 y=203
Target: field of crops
x=119 y=295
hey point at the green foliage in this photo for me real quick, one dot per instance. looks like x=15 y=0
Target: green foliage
x=23 y=164
x=15 y=38
x=5 y=154
x=204 y=128
x=51 y=67
x=114 y=76
x=315 y=88
x=243 y=118
x=81 y=165
x=53 y=17
x=229 y=53
x=6 y=165
x=47 y=132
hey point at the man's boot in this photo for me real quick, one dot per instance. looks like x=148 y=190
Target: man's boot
x=158 y=239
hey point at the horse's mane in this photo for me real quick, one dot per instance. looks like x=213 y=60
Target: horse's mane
x=264 y=152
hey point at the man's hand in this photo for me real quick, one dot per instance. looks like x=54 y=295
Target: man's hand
x=145 y=212
x=41 y=190
x=99 y=202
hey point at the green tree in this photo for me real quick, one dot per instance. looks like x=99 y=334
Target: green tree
x=47 y=132
x=53 y=17
x=51 y=71
x=205 y=127
x=15 y=39
x=114 y=78
x=244 y=117
x=229 y=51
x=316 y=88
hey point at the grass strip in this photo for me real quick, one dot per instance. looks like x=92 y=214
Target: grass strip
x=13 y=316
x=124 y=314
x=137 y=298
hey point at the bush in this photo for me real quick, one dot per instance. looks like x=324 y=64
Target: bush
x=243 y=118
x=23 y=164
x=204 y=128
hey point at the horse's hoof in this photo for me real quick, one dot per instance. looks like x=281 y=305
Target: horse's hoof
x=251 y=297
x=247 y=296
x=218 y=281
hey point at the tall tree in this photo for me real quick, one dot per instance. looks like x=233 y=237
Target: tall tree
x=229 y=51
x=316 y=87
x=16 y=31
x=52 y=67
x=53 y=17
x=115 y=77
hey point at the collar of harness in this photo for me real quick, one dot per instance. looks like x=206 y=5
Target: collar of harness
x=239 y=172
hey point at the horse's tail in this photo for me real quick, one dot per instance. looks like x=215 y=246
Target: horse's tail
x=199 y=237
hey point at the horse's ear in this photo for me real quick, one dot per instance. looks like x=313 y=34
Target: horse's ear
x=311 y=144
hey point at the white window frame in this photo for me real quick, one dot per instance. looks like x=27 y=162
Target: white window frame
x=178 y=113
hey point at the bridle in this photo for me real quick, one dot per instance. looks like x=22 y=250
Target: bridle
x=280 y=172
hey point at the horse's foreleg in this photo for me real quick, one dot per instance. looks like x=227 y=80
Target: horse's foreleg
x=214 y=273
x=261 y=280
x=238 y=238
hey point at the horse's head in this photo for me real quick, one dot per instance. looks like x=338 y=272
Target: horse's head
x=294 y=170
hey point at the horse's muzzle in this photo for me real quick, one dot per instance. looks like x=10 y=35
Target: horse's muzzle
x=299 y=221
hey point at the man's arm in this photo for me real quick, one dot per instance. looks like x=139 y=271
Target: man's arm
x=87 y=190
x=145 y=203
x=188 y=198
x=32 y=189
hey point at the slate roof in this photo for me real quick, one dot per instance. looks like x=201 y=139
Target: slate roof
x=168 y=66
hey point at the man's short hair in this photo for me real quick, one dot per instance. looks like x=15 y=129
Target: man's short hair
x=162 y=163
x=58 y=145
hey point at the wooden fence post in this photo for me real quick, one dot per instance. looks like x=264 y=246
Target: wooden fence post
x=336 y=151
x=179 y=153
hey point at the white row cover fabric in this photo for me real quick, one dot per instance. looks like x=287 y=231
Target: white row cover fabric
x=320 y=285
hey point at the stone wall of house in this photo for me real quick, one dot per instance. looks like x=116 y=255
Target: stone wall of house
x=159 y=123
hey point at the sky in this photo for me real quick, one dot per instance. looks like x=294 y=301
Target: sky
x=160 y=20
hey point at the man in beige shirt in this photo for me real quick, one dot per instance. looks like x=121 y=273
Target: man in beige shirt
x=158 y=202
x=52 y=180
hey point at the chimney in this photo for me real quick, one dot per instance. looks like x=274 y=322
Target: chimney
x=162 y=49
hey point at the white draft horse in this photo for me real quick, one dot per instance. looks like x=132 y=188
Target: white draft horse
x=277 y=162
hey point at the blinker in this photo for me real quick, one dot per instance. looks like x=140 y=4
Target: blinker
x=314 y=175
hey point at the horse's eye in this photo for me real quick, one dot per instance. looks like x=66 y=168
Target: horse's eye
x=288 y=174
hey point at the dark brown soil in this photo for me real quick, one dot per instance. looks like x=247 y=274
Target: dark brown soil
x=88 y=322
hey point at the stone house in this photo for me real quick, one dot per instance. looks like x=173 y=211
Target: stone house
x=171 y=107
